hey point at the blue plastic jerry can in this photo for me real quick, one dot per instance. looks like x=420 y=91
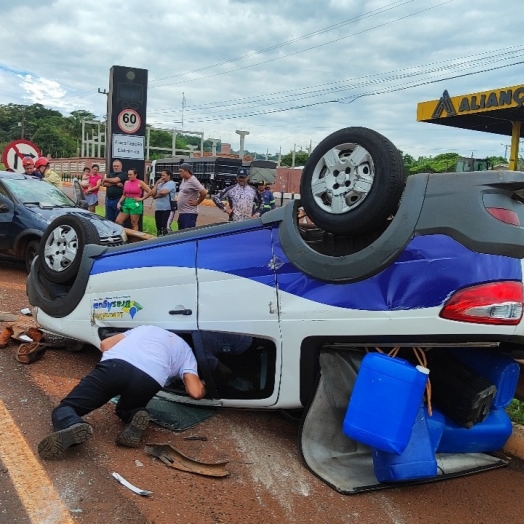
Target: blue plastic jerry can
x=384 y=403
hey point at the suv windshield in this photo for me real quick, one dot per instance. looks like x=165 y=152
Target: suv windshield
x=35 y=191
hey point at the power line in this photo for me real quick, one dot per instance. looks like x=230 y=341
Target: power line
x=305 y=50
x=292 y=41
x=508 y=52
x=352 y=98
x=258 y=102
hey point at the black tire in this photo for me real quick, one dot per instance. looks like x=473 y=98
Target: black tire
x=352 y=182
x=62 y=245
x=31 y=251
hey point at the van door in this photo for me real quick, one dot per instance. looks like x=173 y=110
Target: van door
x=238 y=316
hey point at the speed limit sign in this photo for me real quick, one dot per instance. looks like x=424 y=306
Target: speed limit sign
x=129 y=121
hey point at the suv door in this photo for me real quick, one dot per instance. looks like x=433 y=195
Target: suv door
x=7 y=211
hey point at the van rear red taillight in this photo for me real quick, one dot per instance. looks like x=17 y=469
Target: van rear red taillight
x=494 y=303
x=504 y=215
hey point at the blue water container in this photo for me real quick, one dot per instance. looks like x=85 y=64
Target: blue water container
x=416 y=462
x=436 y=424
x=489 y=435
x=500 y=370
x=384 y=403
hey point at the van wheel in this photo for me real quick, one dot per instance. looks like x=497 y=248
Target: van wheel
x=62 y=245
x=352 y=182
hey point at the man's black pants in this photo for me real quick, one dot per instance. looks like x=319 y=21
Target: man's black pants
x=107 y=380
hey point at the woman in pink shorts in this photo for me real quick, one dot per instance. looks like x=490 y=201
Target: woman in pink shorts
x=131 y=204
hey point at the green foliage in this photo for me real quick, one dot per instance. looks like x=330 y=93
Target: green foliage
x=516 y=411
x=497 y=160
x=300 y=159
x=442 y=163
x=148 y=222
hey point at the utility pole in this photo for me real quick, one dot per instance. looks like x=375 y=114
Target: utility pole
x=242 y=142
x=22 y=124
x=214 y=142
x=183 y=108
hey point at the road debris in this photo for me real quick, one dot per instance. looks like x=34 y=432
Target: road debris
x=7 y=317
x=27 y=353
x=134 y=489
x=5 y=335
x=173 y=458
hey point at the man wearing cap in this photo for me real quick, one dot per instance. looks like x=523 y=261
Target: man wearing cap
x=268 y=200
x=190 y=194
x=29 y=166
x=244 y=200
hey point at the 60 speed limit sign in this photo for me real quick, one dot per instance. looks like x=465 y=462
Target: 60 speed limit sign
x=129 y=121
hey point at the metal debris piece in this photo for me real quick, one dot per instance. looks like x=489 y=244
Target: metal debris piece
x=7 y=317
x=26 y=311
x=172 y=458
x=196 y=437
x=138 y=463
x=130 y=486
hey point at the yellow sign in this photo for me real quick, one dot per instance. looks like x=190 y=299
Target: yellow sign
x=482 y=102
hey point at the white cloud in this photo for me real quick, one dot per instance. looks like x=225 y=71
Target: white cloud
x=43 y=91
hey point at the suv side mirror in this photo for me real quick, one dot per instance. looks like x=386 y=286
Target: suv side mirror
x=83 y=204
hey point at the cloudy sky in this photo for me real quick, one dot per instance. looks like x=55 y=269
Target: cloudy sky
x=289 y=71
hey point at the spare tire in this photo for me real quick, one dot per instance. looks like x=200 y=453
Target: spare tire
x=62 y=245
x=352 y=182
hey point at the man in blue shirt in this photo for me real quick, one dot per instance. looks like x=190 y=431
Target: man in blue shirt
x=268 y=200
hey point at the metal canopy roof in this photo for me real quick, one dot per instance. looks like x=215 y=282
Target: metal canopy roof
x=499 y=111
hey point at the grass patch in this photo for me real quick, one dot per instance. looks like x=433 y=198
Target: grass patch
x=148 y=222
x=516 y=411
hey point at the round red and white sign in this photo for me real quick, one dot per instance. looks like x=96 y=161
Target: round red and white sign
x=15 y=152
x=129 y=121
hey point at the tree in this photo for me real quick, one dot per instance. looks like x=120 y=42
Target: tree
x=300 y=159
x=52 y=138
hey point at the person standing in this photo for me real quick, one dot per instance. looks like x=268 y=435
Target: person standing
x=94 y=182
x=268 y=200
x=190 y=194
x=243 y=200
x=163 y=192
x=135 y=365
x=131 y=203
x=44 y=171
x=114 y=182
